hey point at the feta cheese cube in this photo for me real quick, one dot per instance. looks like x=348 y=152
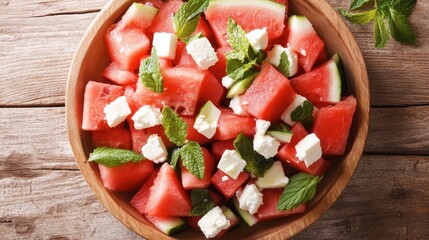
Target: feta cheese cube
x=202 y=52
x=262 y=126
x=207 y=120
x=250 y=199
x=154 y=149
x=274 y=57
x=235 y=105
x=213 y=222
x=309 y=149
x=147 y=116
x=117 y=111
x=258 y=38
x=266 y=145
x=286 y=115
x=227 y=82
x=274 y=177
x=231 y=163
x=165 y=44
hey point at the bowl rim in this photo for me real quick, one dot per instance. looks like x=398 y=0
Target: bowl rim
x=133 y=221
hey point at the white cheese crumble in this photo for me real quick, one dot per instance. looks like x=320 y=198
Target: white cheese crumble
x=265 y=145
x=258 y=38
x=165 y=44
x=154 y=149
x=227 y=82
x=309 y=149
x=286 y=115
x=274 y=57
x=235 y=105
x=117 y=111
x=213 y=222
x=202 y=52
x=250 y=199
x=274 y=177
x=231 y=163
x=147 y=116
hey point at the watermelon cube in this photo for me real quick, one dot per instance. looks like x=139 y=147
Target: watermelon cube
x=116 y=74
x=167 y=196
x=97 y=96
x=219 y=69
x=182 y=57
x=139 y=137
x=230 y=125
x=117 y=137
x=220 y=146
x=212 y=90
x=127 y=177
x=332 y=126
x=229 y=186
x=287 y=153
x=193 y=134
x=268 y=210
x=269 y=95
x=189 y=181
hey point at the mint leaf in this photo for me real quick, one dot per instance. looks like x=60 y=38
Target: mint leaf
x=404 y=7
x=193 y=159
x=255 y=162
x=381 y=34
x=238 y=41
x=300 y=189
x=360 y=17
x=302 y=112
x=192 y=38
x=150 y=74
x=357 y=4
x=186 y=20
x=174 y=159
x=202 y=202
x=174 y=126
x=284 y=65
x=113 y=157
x=237 y=70
x=400 y=28
x=280 y=127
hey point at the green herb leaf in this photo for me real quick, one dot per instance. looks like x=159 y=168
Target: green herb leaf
x=280 y=127
x=357 y=4
x=381 y=34
x=400 y=28
x=255 y=162
x=202 y=202
x=193 y=159
x=186 y=19
x=192 y=38
x=284 y=65
x=150 y=74
x=302 y=112
x=174 y=126
x=237 y=70
x=300 y=189
x=238 y=41
x=113 y=157
x=360 y=17
x=174 y=159
x=404 y=7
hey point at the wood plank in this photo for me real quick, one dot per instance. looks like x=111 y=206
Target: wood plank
x=36 y=138
x=27 y=66
x=386 y=199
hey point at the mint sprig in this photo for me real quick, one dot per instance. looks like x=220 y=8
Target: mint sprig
x=284 y=65
x=302 y=112
x=175 y=127
x=300 y=189
x=186 y=20
x=242 y=61
x=174 y=157
x=202 y=202
x=390 y=19
x=150 y=73
x=113 y=157
x=193 y=159
x=255 y=162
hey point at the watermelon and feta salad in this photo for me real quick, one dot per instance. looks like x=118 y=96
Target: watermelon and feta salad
x=216 y=110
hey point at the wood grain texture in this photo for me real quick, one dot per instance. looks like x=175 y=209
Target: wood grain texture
x=386 y=199
x=58 y=26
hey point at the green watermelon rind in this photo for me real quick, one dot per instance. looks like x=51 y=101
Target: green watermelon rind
x=265 y=4
x=171 y=225
x=300 y=25
x=336 y=79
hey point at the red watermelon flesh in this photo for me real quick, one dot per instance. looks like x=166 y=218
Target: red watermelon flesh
x=117 y=137
x=250 y=15
x=268 y=210
x=230 y=125
x=182 y=57
x=193 y=134
x=138 y=15
x=220 y=146
x=139 y=200
x=127 y=46
x=127 y=177
x=182 y=88
x=287 y=154
x=304 y=40
x=219 y=69
x=139 y=137
x=211 y=90
x=116 y=74
x=97 y=96
x=321 y=85
x=167 y=196
x=229 y=187
x=189 y=181
x=332 y=126
x=269 y=95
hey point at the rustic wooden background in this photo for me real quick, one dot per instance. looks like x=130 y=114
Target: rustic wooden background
x=42 y=193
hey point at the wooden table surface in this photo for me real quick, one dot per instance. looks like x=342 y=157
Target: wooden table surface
x=43 y=195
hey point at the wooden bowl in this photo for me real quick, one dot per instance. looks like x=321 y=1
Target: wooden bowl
x=91 y=59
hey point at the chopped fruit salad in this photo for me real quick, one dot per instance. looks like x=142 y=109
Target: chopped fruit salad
x=231 y=109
